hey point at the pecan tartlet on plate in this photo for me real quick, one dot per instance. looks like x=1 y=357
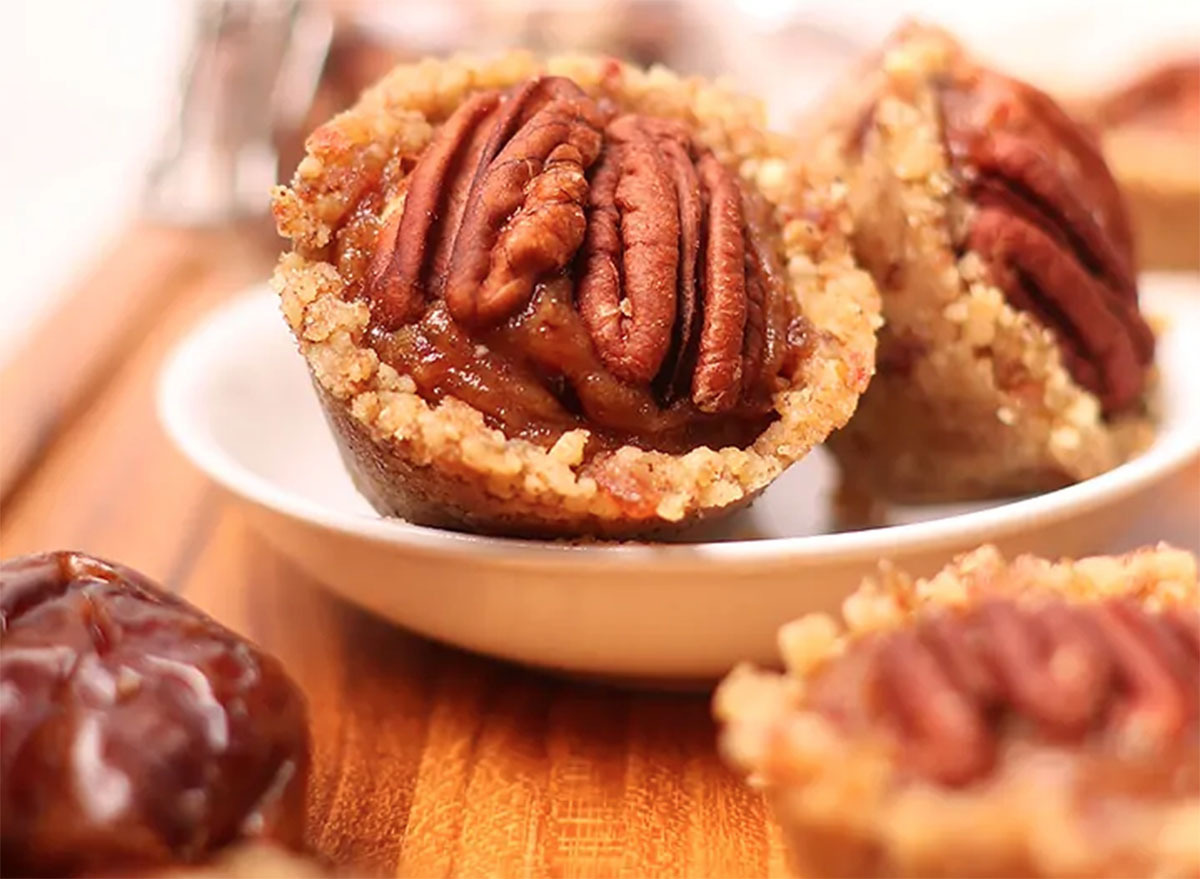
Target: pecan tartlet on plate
x=570 y=298
x=1014 y=357
x=998 y=719
x=135 y=732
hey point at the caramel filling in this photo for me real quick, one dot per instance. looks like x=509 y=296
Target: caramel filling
x=1116 y=682
x=556 y=265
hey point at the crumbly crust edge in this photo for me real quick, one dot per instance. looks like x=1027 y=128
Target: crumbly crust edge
x=838 y=299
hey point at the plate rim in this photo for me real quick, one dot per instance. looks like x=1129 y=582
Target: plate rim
x=992 y=523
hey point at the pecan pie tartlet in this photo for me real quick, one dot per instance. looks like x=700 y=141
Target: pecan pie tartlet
x=1014 y=357
x=571 y=298
x=136 y=733
x=998 y=719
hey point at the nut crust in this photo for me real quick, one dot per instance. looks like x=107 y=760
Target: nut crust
x=439 y=463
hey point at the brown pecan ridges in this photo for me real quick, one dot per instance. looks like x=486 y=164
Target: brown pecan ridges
x=1050 y=227
x=495 y=202
x=679 y=284
x=945 y=686
x=674 y=279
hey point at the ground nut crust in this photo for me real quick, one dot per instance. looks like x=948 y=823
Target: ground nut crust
x=842 y=809
x=972 y=398
x=442 y=464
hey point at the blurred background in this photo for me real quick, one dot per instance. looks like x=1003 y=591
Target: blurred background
x=184 y=113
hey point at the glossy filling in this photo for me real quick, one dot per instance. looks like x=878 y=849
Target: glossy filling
x=557 y=265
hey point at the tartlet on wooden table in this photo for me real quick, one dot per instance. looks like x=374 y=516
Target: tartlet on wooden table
x=1021 y=718
x=1013 y=358
x=568 y=298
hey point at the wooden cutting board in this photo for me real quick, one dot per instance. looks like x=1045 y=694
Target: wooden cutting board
x=427 y=761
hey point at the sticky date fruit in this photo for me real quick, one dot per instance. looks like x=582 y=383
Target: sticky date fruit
x=134 y=730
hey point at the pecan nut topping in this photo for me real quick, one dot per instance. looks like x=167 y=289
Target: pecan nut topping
x=557 y=265
x=1050 y=227
x=1110 y=676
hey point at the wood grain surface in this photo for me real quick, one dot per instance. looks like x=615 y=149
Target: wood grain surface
x=427 y=761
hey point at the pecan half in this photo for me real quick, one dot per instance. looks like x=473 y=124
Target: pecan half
x=671 y=267
x=948 y=688
x=674 y=145
x=670 y=287
x=718 y=375
x=471 y=181
x=525 y=210
x=1050 y=226
x=627 y=293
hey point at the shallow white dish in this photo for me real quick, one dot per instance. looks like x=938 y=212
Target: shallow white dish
x=236 y=398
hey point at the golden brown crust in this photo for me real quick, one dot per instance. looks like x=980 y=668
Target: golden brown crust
x=1164 y=201
x=972 y=398
x=846 y=810
x=441 y=464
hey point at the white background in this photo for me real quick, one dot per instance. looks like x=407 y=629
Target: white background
x=83 y=87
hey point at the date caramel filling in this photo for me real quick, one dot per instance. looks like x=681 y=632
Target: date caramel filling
x=1116 y=681
x=1049 y=225
x=558 y=265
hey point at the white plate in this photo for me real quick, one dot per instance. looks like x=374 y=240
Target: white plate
x=236 y=398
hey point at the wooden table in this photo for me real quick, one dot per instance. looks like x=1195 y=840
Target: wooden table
x=427 y=761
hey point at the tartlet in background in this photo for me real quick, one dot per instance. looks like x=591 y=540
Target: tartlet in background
x=1150 y=132
x=1013 y=358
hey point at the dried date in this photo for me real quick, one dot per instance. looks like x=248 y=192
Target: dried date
x=134 y=730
